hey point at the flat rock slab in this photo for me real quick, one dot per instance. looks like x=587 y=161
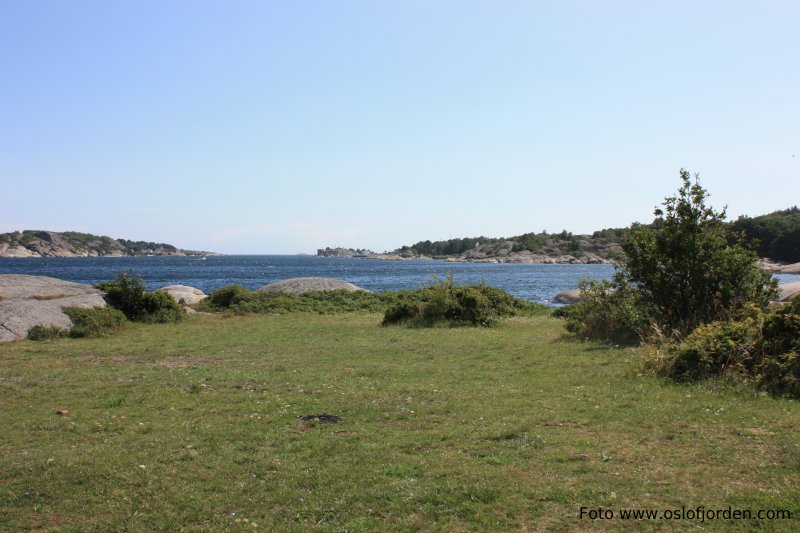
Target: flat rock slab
x=301 y=285
x=789 y=290
x=27 y=301
x=183 y=294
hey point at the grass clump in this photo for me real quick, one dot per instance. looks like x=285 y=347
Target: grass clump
x=448 y=304
x=94 y=322
x=127 y=293
x=86 y=322
x=46 y=333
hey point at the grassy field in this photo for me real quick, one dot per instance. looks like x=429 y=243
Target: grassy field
x=197 y=426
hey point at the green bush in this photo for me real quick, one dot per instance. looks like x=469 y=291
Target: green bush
x=454 y=305
x=606 y=311
x=401 y=312
x=726 y=346
x=43 y=333
x=127 y=293
x=95 y=322
x=754 y=347
x=687 y=267
x=227 y=296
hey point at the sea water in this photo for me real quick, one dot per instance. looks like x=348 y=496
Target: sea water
x=534 y=282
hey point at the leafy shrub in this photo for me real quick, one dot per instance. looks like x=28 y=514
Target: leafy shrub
x=607 y=312
x=756 y=347
x=227 y=296
x=95 y=322
x=450 y=304
x=401 y=312
x=727 y=346
x=682 y=271
x=127 y=293
x=159 y=308
x=688 y=268
x=43 y=333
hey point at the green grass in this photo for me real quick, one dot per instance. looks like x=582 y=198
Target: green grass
x=195 y=426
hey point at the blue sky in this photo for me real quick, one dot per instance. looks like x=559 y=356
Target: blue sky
x=284 y=126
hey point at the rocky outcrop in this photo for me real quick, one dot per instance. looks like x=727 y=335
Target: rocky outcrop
x=301 y=285
x=789 y=290
x=794 y=268
x=27 y=301
x=183 y=294
x=33 y=243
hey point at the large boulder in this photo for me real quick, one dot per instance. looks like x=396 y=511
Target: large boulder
x=568 y=297
x=789 y=290
x=183 y=294
x=27 y=301
x=301 y=285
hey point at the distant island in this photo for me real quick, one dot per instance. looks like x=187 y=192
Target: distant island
x=775 y=236
x=36 y=243
x=600 y=248
x=344 y=252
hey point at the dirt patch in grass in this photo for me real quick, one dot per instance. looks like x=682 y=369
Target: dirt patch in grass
x=43 y=297
x=322 y=419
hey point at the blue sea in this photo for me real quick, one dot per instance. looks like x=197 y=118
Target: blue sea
x=537 y=283
x=533 y=282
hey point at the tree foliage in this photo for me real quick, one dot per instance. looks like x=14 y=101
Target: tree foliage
x=685 y=267
x=776 y=235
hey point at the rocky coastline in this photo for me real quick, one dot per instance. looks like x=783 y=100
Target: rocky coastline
x=35 y=243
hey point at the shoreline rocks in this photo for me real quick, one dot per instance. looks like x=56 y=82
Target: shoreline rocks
x=183 y=294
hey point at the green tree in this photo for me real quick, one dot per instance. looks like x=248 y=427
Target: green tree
x=686 y=268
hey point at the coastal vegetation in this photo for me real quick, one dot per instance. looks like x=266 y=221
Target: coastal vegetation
x=446 y=303
x=127 y=294
x=441 y=303
x=91 y=322
x=691 y=287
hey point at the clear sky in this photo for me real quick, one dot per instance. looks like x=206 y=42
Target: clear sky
x=284 y=126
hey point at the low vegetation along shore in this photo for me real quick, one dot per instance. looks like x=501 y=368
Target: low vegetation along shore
x=665 y=398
